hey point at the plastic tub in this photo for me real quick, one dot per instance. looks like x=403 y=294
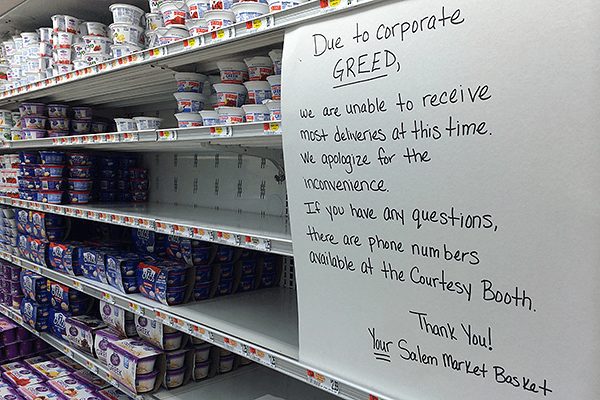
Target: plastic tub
x=81 y=126
x=201 y=370
x=174 y=378
x=171 y=34
x=29 y=157
x=52 y=184
x=190 y=82
x=226 y=363
x=28 y=183
x=173 y=13
x=60 y=69
x=197 y=8
x=125 y=124
x=221 y=4
x=96 y=29
x=258 y=91
x=52 y=157
x=145 y=382
x=202 y=291
x=274 y=107
x=225 y=286
x=233 y=72
x=80 y=184
x=153 y=21
x=57 y=110
x=79 y=159
x=226 y=270
x=63 y=40
x=130 y=284
x=99 y=127
x=72 y=24
x=123 y=33
x=230 y=115
x=224 y=254
x=189 y=102
x=196 y=26
x=97 y=44
x=45 y=34
x=176 y=359
x=45 y=50
x=55 y=234
x=275 y=82
x=188 y=119
x=172 y=341
x=51 y=171
x=27 y=170
x=59 y=124
x=247 y=10
x=78 y=197
x=30 y=38
x=34 y=122
x=229 y=94
x=80 y=172
x=217 y=19
x=62 y=56
x=126 y=13
x=122 y=50
x=256 y=112
x=50 y=196
x=247 y=283
x=144 y=123
x=280 y=5
x=82 y=113
x=175 y=295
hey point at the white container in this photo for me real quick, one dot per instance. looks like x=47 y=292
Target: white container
x=80 y=64
x=188 y=119
x=170 y=34
x=233 y=71
x=30 y=38
x=63 y=40
x=62 y=56
x=58 y=23
x=248 y=10
x=126 y=14
x=209 y=117
x=96 y=29
x=229 y=94
x=153 y=21
x=190 y=82
x=122 y=50
x=92 y=59
x=230 y=115
x=78 y=50
x=97 y=45
x=280 y=5
x=217 y=19
x=256 y=112
x=173 y=12
x=189 y=102
x=258 y=92
x=9 y=47
x=72 y=24
x=154 y=5
x=123 y=33
x=274 y=107
x=275 y=82
x=151 y=39
x=32 y=51
x=221 y=4
x=196 y=26
x=45 y=34
x=45 y=49
x=197 y=8
x=40 y=64
x=125 y=124
x=145 y=123
x=259 y=68
x=60 y=69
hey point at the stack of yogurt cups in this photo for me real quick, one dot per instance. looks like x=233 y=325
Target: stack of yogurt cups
x=94 y=46
x=174 y=14
x=127 y=31
x=65 y=34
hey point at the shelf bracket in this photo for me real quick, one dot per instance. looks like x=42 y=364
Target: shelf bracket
x=251 y=152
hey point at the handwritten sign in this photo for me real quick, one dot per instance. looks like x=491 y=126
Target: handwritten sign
x=443 y=191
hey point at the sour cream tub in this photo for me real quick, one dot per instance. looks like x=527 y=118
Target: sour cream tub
x=127 y=14
x=258 y=91
x=197 y=8
x=189 y=102
x=217 y=19
x=173 y=13
x=209 y=117
x=232 y=95
x=190 y=82
x=233 y=72
x=256 y=112
x=196 y=26
x=230 y=115
x=188 y=119
x=247 y=10
x=259 y=68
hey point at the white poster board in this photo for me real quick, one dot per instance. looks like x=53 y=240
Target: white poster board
x=443 y=169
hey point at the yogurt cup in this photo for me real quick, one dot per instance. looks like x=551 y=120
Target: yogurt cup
x=233 y=72
x=189 y=102
x=63 y=40
x=145 y=382
x=126 y=13
x=258 y=91
x=57 y=110
x=144 y=123
x=274 y=107
x=196 y=26
x=50 y=196
x=72 y=24
x=62 y=56
x=80 y=159
x=97 y=44
x=188 y=119
x=34 y=122
x=28 y=109
x=96 y=29
x=259 y=68
x=275 y=82
x=78 y=197
x=80 y=184
x=176 y=359
x=58 y=23
x=153 y=21
x=60 y=69
x=6 y=117
x=123 y=33
x=230 y=115
x=221 y=4
x=125 y=124
x=122 y=50
x=217 y=19
x=170 y=34
x=172 y=341
x=190 y=82
x=256 y=113
x=174 y=378
x=45 y=49
x=229 y=94
x=99 y=127
x=173 y=13
x=197 y=8
x=80 y=172
x=209 y=117
x=130 y=283
x=52 y=171
x=52 y=157
x=248 y=10
x=201 y=370
x=81 y=126
x=30 y=38
x=59 y=124
x=54 y=235
x=29 y=157
x=82 y=113
x=202 y=353
x=280 y=5
x=226 y=363
x=175 y=295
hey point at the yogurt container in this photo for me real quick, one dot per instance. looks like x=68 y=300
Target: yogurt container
x=82 y=113
x=196 y=26
x=230 y=115
x=96 y=29
x=145 y=383
x=202 y=353
x=258 y=91
x=123 y=33
x=256 y=112
x=80 y=172
x=34 y=122
x=122 y=50
x=30 y=38
x=62 y=56
x=190 y=82
x=84 y=159
x=80 y=184
x=153 y=21
x=173 y=13
x=275 y=82
x=174 y=378
x=52 y=184
x=127 y=14
x=99 y=127
x=63 y=40
x=60 y=124
x=226 y=363
x=188 y=119
x=176 y=359
x=80 y=126
x=217 y=19
x=52 y=157
x=50 y=196
x=144 y=123
x=170 y=34
x=233 y=72
x=280 y=5
x=232 y=95
x=259 y=68
x=57 y=110
x=125 y=124
x=197 y=8
x=52 y=171
x=201 y=370
x=248 y=10
x=79 y=197
x=97 y=44
x=189 y=102
x=274 y=107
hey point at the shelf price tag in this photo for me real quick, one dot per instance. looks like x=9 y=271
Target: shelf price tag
x=260 y=357
x=116 y=219
x=129 y=221
x=130 y=137
x=203 y=334
x=156 y=52
x=107 y=297
x=167 y=135
x=322 y=382
x=76 y=284
x=67 y=350
x=272 y=128
x=79 y=213
x=232 y=345
x=112 y=137
x=75 y=140
x=181 y=230
x=335 y=4
x=161 y=316
x=144 y=223
x=227 y=238
x=176 y=322
x=224 y=131
x=256 y=243
x=90 y=365
x=136 y=309
x=104 y=217
x=193 y=42
x=163 y=227
x=70 y=212
x=202 y=234
x=90 y=215
x=223 y=34
x=260 y=24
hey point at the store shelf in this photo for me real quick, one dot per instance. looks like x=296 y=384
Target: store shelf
x=254 y=134
x=249 y=230
x=66 y=348
x=146 y=77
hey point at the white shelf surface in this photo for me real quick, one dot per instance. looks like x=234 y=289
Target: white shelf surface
x=250 y=230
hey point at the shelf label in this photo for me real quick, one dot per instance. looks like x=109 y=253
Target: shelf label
x=176 y=322
x=227 y=238
x=201 y=333
x=156 y=52
x=136 y=308
x=70 y=212
x=163 y=227
x=322 y=382
x=130 y=137
x=79 y=213
x=272 y=128
x=112 y=137
x=107 y=297
x=116 y=219
x=90 y=215
x=91 y=366
x=104 y=217
x=160 y=316
x=76 y=284
x=260 y=24
x=256 y=243
x=144 y=223
x=67 y=350
x=193 y=42
x=225 y=131
x=202 y=234
x=74 y=140
x=232 y=345
x=167 y=135
x=223 y=34
x=335 y=4
x=259 y=356
x=181 y=230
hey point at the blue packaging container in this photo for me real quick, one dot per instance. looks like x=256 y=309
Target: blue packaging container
x=202 y=292
x=107 y=184
x=81 y=159
x=35 y=287
x=80 y=172
x=56 y=323
x=29 y=157
x=28 y=183
x=35 y=315
x=176 y=295
x=52 y=171
x=27 y=170
x=225 y=287
x=91 y=262
x=247 y=283
x=203 y=274
x=268 y=279
x=83 y=185
x=127 y=161
x=50 y=196
x=55 y=234
x=202 y=255
x=226 y=270
x=248 y=267
x=52 y=157
x=108 y=162
x=130 y=285
x=77 y=197
x=224 y=254
x=52 y=184
x=107 y=196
